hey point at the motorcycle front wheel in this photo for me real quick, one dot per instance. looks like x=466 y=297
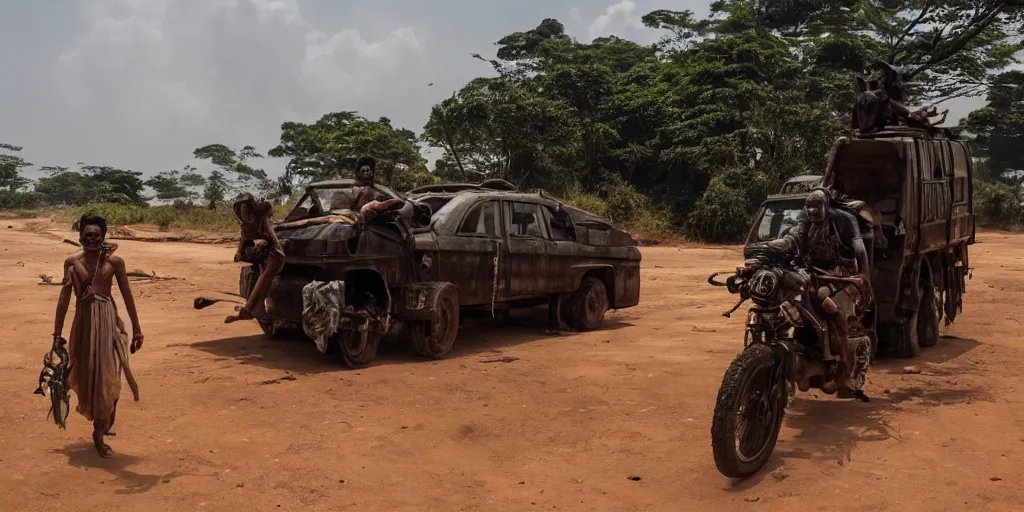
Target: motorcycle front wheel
x=748 y=413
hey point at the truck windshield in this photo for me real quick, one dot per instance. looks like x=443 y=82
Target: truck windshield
x=777 y=220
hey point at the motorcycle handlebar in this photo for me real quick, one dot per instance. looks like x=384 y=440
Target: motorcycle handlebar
x=712 y=282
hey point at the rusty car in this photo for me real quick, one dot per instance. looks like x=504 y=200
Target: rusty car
x=483 y=247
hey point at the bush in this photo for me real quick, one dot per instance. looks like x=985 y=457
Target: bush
x=588 y=202
x=181 y=216
x=720 y=215
x=997 y=204
x=18 y=200
x=627 y=207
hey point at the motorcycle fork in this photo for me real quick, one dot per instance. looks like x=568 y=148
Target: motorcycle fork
x=752 y=332
x=781 y=391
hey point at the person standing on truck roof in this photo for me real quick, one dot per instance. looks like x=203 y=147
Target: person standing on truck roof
x=828 y=241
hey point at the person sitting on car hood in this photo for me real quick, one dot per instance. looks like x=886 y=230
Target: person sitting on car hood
x=364 y=196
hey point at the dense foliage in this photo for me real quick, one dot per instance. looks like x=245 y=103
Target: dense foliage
x=688 y=134
x=996 y=133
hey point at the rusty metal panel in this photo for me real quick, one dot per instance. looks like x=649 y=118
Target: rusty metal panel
x=961 y=159
x=627 y=285
x=919 y=158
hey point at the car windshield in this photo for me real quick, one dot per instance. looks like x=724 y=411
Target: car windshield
x=444 y=212
x=331 y=199
x=777 y=220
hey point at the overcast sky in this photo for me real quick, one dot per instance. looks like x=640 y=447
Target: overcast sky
x=139 y=84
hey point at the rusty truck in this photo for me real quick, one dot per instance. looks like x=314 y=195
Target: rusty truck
x=917 y=186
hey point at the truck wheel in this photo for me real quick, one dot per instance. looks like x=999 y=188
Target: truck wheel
x=909 y=344
x=269 y=329
x=354 y=353
x=922 y=328
x=588 y=305
x=928 y=316
x=434 y=338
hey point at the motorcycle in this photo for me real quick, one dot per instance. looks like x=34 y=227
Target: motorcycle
x=786 y=346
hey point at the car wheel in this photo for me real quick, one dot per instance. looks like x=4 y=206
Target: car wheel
x=436 y=337
x=354 y=352
x=589 y=304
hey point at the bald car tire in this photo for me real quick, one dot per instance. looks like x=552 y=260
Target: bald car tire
x=588 y=304
x=435 y=338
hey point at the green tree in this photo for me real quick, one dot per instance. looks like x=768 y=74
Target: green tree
x=11 y=165
x=91 y=183
x=951 y=46
x=234 y=167
x=996 y=131
x=327 y=148
x=216 y=189
x=177 y=185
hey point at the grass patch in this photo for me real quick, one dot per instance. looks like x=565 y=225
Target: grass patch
x=628 y=209
x=180 y=216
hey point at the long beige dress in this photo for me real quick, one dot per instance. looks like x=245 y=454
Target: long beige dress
x=98 y=347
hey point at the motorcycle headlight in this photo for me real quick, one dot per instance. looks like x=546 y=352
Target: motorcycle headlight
x=763 y=285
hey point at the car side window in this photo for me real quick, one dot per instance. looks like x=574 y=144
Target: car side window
x=525 y=219
x=561 y=225
x=482 y=220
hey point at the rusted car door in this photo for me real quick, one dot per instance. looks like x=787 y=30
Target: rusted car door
x=529 y=245
x=468 y=258
x=565 y=253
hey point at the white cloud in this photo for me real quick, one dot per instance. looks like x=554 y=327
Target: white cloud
x=220 y=71
x=616 y=19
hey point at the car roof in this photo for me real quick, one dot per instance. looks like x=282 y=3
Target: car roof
x=346 y=182
x=492 y=184
x=461 y=202
x=780 y=198
x=805 y=178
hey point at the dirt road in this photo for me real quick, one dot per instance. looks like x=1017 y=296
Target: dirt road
x=562 y=425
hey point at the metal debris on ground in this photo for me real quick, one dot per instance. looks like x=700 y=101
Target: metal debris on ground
x=279 y=379
x=47 y=279
x=506 y=359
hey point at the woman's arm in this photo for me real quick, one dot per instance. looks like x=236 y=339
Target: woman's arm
x=65 y=298
x=129 y=301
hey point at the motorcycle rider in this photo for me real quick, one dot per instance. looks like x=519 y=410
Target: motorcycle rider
x=828 y=241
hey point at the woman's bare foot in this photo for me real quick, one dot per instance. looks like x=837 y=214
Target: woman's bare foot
x=102 y=448
x=243 y=314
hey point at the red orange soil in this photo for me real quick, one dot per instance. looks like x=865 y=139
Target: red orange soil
x=563 y=426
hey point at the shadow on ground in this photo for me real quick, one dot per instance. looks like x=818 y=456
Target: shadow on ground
x=947 y=349
x=477 y=336
x=829 y=429
x=83 y=455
